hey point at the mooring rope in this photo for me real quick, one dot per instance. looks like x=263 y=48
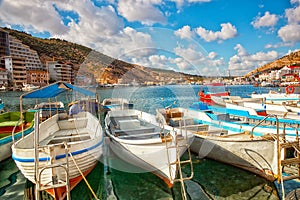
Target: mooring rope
x=87 y=183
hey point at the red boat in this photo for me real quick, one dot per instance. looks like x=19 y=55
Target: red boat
x=213 y=89
x=207 y=95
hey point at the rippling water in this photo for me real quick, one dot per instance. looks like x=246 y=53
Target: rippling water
x=212 y=180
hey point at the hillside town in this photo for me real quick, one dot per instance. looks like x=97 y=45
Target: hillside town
x=20 y=65
x=283 y=77
x=21 y=68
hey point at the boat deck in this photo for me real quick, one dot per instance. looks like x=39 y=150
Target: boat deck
x=71 y=135
x=130 y=127
x=70 y=130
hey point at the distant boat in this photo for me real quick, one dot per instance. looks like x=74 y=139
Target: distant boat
x=222 y=100
x=212 y=89
x=3 y=88
x=29 y=87
x=48 y=109
x=11 y=122
x=1 y=105
x=277 y=98
x=137 y=138
x=243 y=119
x=61 y=150
x=115 y=104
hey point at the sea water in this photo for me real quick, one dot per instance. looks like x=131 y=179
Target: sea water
x=212 y=180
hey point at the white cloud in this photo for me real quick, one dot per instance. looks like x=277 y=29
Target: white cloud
x=227 y=31
x=242 y=62
x=268 y=20
x=144 y=11
x=295 y=1
x=179 y=3
x=127 y=44
x=212 y=55
x=293 y=15
x=99 y=28
x=241 y=51
x=184 y=32
x=198 y=60
x=34 y=16
x=96 y=24
x=290 y=33
x=187 y=60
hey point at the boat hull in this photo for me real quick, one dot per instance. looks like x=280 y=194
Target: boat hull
x=258 y=156
x=149 y=158
x=149 y=151
x=60 y=192
x=7 y=141
x=84 y=139
x=5 y=151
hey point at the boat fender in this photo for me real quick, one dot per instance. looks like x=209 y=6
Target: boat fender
x=290 y=89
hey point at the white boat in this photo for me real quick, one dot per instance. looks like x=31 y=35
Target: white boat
x=48 y=109
x=281 y=110
x=61 y=150
x=278 y=98
x=29 y=87
x=3 y=88
x=137 y=138
x=222 y=100
x=229 y=143
x=244 y=119
x=116 y=104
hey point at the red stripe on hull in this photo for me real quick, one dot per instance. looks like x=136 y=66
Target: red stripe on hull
x=60 y=193
x=9 y=129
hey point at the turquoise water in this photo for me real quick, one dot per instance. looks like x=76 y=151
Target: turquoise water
x=212 y=180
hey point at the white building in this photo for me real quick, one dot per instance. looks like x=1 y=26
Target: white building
x=59 y=71
x=16 y=71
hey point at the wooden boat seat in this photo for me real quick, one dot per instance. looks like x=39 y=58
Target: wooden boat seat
x=138 y=131
x=72 y=123
x=69 y=135
x=115 y=119
x=72 y=138
x=139 y=136
x=175 y=121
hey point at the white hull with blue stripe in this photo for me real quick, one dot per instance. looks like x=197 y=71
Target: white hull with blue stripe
x=84 y=139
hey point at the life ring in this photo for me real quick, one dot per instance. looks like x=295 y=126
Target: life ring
x=290 y=89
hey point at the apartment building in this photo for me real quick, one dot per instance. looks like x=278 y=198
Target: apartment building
x=18 y=49
x=16 y=71
x=4 y=47
x=37 y=77
x=59 y=71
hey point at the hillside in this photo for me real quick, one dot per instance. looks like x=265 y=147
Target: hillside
x=92 y=62
x=291 y=59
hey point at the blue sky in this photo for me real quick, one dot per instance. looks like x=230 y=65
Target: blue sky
x=204 y=37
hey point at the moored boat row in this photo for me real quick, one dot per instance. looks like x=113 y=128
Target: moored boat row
x=62 y=149
x=138 y=137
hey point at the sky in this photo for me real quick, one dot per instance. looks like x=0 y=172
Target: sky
x=202 y=37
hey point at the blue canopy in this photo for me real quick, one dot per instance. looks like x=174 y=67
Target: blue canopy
x=54 y=90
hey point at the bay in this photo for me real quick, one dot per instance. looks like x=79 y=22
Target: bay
x=212 y=180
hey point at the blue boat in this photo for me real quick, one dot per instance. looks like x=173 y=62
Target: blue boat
x=1 y=105
x=221 y=134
